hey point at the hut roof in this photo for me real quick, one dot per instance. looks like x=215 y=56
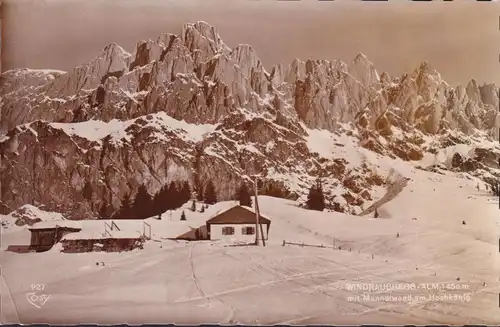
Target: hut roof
x=52 y=224
x=237 y=215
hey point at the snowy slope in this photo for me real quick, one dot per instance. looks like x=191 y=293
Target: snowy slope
x=27 y=214
x=208 y=282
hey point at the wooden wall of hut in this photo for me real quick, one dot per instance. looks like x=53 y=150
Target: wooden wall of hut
x=44 y=239
x=104 y=245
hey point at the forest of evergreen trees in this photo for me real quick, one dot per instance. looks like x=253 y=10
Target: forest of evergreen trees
x=172 y=196
x=169 y=197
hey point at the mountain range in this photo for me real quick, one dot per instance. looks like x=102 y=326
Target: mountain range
x=189 y=108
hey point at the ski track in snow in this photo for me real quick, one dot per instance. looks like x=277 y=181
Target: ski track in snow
x=231 y=316
x=10 y=300
x=193 y=274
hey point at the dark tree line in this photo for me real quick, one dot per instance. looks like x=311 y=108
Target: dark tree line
x=315 y=198
x=170 y=197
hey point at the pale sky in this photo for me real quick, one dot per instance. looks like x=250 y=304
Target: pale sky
x=461 y=39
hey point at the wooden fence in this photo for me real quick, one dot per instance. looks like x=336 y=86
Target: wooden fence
x=333 y=246
x=310 y=245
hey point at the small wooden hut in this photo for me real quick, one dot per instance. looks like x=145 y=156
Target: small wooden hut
x=47 y=233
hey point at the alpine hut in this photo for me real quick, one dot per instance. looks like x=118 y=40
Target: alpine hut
x=237 y=223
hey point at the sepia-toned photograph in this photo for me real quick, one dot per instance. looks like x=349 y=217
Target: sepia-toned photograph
x=249 y=162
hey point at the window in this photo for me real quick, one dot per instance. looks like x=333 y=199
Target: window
x=227 y=230
x=248 y=230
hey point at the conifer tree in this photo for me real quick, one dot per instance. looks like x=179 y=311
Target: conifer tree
x=161 y=200
x=315 y=198
x=183 y=216
x=193 y=206
x=125 y=210
x=202 y=210
x=143 y=204
x=185 y=192
x=321 y=196
x=173 y=195
x=244 y=196
x=209 y=196
x=312 y=198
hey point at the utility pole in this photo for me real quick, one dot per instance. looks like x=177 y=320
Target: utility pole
x=258 y=225
x=262 y=236
x=256 y=215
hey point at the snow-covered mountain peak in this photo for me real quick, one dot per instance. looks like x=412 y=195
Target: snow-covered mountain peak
x=361 y=57
x=203 y=37
x=135 y=117
x=363 y=70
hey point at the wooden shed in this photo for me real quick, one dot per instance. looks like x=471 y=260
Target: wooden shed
x=45 y=234
x=236 y=223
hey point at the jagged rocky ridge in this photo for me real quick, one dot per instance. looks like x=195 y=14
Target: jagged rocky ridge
x=188 y=107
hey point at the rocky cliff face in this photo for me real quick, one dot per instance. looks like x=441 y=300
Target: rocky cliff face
x=188 y=107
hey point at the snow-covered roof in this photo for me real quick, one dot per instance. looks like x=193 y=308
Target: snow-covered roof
x=237 y=215
x=56 y=223
x=95 y=235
